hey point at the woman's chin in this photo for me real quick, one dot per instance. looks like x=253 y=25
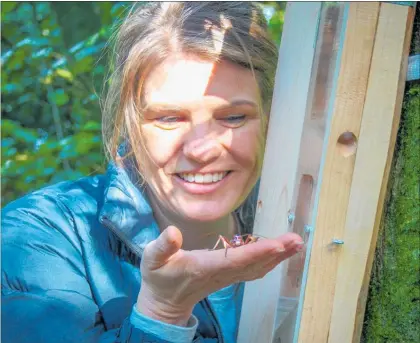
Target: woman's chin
x=204 y=216
x=205 y=213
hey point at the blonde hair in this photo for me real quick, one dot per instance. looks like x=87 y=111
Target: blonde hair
x=151 y=32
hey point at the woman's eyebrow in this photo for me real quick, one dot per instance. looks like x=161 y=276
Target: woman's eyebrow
x=163 y=107
x=237 y=103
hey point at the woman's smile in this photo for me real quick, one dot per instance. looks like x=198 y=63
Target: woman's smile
x=196 y=183
x=203 y=178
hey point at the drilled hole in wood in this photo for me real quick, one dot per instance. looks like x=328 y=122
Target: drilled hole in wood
x=347 y=144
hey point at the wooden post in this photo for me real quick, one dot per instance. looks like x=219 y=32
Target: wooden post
x=352 y=80
x=381 y=114
x=350 y=205
x=281 y=162
x=334 y=120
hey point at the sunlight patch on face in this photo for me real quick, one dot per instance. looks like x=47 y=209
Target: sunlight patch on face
x=217 y=33
x=167 y=88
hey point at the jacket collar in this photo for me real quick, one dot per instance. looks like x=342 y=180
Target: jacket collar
x=126 y=210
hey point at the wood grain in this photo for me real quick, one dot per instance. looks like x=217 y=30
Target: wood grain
x=338 y=171
x=280 y=163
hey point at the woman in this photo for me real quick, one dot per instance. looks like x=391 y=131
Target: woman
x=100 y=259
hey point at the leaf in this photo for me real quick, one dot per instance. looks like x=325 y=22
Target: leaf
x=11 y=88
x=46 y=52
x=43 y=10
x=83 y=65
x=48 y=171
x=92 y=39
x=47 y=80
x=25 y=98
x=118 y=10
x=16 y=60
x=89 y=51
x=275 y=25
x=7 y=6
x=7 y=142
x=59 y=97
x=8 y=152
x=92 y=126
x=65 y=74
x=33 y=41
x=6 y=56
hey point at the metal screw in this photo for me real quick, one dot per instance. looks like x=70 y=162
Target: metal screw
x=337 y=241
x=308 y=228
x=291 y=217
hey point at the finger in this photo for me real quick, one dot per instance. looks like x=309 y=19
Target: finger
x=262 y=251
x=263 y=270
x=266 y=249
x=254 y=271
x=236 y=260
x=291 y=241
x=158 y=252
x=260 y=269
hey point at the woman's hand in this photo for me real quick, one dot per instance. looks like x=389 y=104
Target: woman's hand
x=174 y=280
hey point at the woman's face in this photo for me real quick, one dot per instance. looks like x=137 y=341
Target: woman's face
x=201 y=130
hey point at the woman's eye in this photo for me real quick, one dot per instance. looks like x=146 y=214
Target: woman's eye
x=168 y=122
x=234 y=120
x=168 y=119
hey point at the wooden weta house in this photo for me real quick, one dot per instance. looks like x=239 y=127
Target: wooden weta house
x=334 y=120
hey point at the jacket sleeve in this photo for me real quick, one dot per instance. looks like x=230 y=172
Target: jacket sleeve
x=45 y=293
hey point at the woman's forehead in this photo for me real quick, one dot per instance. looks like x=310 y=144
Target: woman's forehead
x=189 y=79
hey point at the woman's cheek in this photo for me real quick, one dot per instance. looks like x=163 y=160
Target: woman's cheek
x=161 y=144
x=246 y=144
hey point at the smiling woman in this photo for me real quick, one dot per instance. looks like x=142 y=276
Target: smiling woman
x=215 y=129
x=126 y=256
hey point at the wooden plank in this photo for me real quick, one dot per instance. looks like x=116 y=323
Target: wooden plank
x=322 y=90
x=338 y=171
x=280 y=162
x=365 y=286
x=374 y=154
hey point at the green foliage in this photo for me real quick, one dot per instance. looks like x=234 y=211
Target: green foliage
x=393 y=310
x=276 y=12
x=50 y=114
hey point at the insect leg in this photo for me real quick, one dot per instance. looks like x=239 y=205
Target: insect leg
x=247 y=239
x=226 y=244
x=217 y=243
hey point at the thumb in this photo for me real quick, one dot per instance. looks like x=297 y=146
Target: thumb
x=158 y=252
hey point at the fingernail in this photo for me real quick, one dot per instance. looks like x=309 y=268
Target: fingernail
x=300 y=243
x=300 y=247
x=281 y=249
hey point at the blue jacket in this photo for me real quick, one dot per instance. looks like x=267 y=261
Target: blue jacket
x=70 y=269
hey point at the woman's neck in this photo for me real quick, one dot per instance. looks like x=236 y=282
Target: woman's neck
x=196 y=235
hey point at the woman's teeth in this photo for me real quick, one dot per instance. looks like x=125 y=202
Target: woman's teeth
x=202 y=178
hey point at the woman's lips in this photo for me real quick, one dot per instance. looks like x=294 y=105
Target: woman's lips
x=201 y=188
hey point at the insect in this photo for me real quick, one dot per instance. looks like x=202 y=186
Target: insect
x=236 y=241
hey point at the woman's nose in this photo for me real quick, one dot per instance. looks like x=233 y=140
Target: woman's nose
x=203 y=150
